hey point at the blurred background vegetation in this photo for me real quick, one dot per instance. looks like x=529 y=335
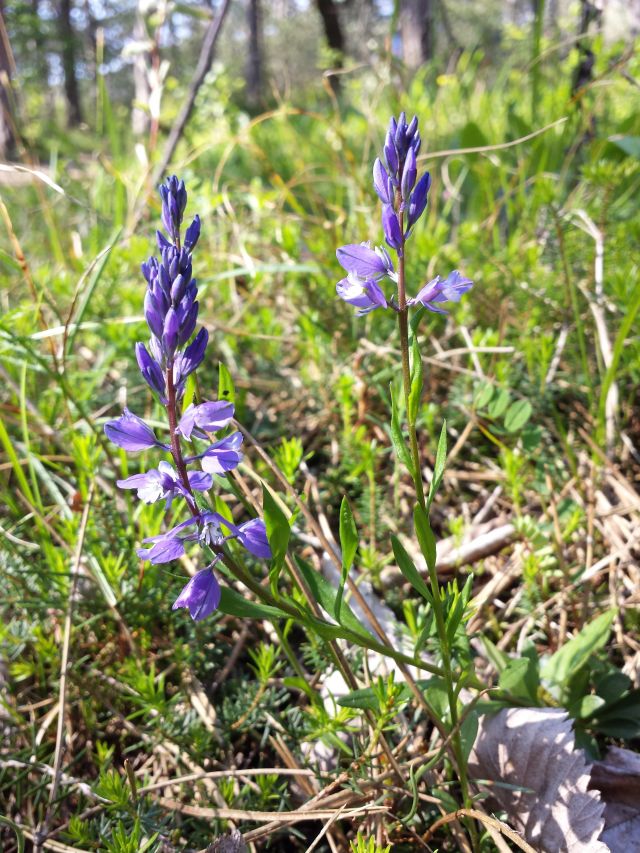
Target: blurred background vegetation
x=272 y=112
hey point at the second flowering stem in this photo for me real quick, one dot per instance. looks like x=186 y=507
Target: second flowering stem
x=440 y=617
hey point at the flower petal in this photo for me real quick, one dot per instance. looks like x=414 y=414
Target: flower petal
x=361 y=260
x=130 y=432
x=253 y=535
x=201 y=595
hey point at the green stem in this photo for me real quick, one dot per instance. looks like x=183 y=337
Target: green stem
x=403 y=326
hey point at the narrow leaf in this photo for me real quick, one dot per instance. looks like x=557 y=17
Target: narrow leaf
x=440 y=464
x=397 y=438
x=426 y=539
x=234 y=604
x=326 y=596
x=417 y=381
x=408 y=569
x=278 y=533
x=348 y=545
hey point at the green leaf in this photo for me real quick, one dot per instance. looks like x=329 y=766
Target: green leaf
x=414 y=322
x=439 y=466
x=297 y=683
x=483 y=395
x=326 y=596
x=568 y=660
x=278 y=533
x=495 y=655
x=468 y=732
x=397 y=438
x=406 y=566
x=517 y=415
x=520 y=679
x=499 y=404
x=629 y=144
x=226 y=391
x=348 y=545
x=426 y=539
x=234 y=604
x=458 y=601
x=417 y=381
x=365 y=699
x=587 y=706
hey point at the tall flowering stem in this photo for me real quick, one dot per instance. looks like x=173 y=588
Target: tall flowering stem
x=404 y=200
x=173 y=353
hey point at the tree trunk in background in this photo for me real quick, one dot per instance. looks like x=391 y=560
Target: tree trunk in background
x=590 y=12
x=140 y=116
x=254 y=56
x=333 y=33
x=71 y=89
x=416 y=30
x=7 y=139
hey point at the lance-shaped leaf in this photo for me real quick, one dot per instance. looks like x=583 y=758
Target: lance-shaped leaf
x=426 y=539
x=417 y=381
x=348 y=546
x=406 y=566
x=326 y=596
x=397 y=438
x=278 y=533
x=440 y=464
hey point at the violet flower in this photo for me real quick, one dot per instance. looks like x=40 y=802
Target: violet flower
x=131 y=433
x=201 y=595
x=163 y=483
x=174 y=351
x=449 y=290
x=223 y=456
x=404 y=200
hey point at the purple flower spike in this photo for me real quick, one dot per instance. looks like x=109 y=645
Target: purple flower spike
x=391 y=227
x=201 y=595
x=209 y=417
x=253 y=535
x=131 y=433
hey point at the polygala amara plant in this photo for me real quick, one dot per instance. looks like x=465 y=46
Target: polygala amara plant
x=404 y=200
x=175 y=351
x=173 y=354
